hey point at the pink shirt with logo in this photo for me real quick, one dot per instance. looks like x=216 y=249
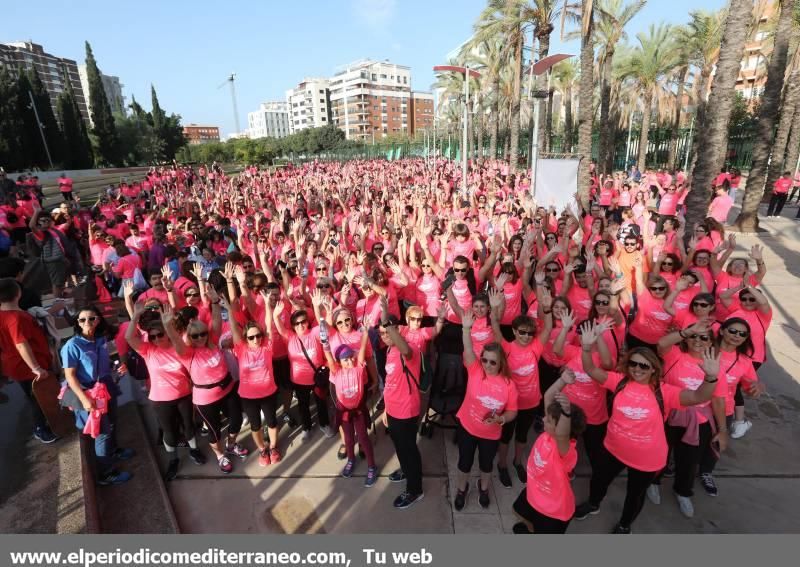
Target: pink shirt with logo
x=168 y=378
x=486 y=395
x=349 y=385
x=206 y=366
x=683 y=370
x=584 y=392
x=427 y=292
x=735 y=368
x=524 y=365
x=302 y=371
x=255 y=370
x=548 y=489
x=401 y=392
x=651 y=321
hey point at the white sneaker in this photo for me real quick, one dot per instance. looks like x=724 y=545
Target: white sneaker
x=739 y=428
x=327 y=431
x=654 y=494
x=686 y=506
x=306 y=435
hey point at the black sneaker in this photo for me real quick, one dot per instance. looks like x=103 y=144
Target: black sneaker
x=121 y=454
x=520 y=528
x=522 y=474
x=505 y=478
x=114 y=477
x=461 y=498
x=483 y=496
x=620 y=529
x=342 y=453
x=397 y=476
x=708 y=484
x=197 y=456
x=669 y=470
x=172 y=469
x=406 y=499
x=583 y=510
x=44 y=435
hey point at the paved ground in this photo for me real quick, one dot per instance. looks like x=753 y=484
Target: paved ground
x=759 y=477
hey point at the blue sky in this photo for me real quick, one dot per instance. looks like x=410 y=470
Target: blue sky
x=186 y=49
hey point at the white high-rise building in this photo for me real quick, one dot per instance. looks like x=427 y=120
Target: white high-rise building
x=113 y=89
x=271 y=120
x=308 y=105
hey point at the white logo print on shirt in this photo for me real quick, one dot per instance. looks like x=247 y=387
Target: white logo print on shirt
x=692 y=383
x=537 y=458
x=661 y=316
x=481 y=335
x=390 y=368
x=490 y=403
x=582 y=377
x=171 y=366
x=637 y=414
x=525 y=370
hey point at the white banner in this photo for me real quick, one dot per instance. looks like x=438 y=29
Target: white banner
x=556 y=182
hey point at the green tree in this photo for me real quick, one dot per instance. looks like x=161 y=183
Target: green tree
x=77 y=146
x=103 y=129
x=11 y=124
x=30 y=138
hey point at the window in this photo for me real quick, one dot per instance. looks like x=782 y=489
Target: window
x=405 y=80
x=324 y=119
x=374 y=77
x=322 y=101
x=383 y=76
x=322 y=91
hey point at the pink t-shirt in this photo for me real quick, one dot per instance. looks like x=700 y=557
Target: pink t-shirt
x=463 y=298
x=584 y=392
x=481 y=334
x=580 y=301
x=418 y=339
x=668 y=204
x=127 y=265
x=683 y=370
x=349 y=384
x=513 y=295
x=635 y=433
x=651 y=321
x=255 y=370
x=720 y=207
x=548 y=489
x=427 y=294
x=206 y=366
x=759 y=323
x=735 y=368
x=401 y=392
x=168 y=378
x=524 y=365
x=302 y=371
x=486 y=395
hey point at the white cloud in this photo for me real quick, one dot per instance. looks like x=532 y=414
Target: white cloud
x=374 y=14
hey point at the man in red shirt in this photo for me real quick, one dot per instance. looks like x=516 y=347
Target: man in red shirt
x=780 y=190
x=24 y=352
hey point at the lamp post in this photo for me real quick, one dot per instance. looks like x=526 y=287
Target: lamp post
x=467 y=72
x=538 y=68
x=41 y=130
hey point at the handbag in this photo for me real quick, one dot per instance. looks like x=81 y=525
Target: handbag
x=322 y=374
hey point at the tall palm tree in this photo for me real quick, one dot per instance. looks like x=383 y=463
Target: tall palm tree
x=585 y=96
x=767 y=114
x=713 y=132
x=487 y=56
x=612 y=17
x=646 y=65
x=565 y=76
x=682 y=62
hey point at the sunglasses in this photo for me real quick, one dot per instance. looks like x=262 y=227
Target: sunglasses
x=90 y=319
x=460 y=270
x=658 y=288
x=747 y=299
x=522 y=333
x=193 y=294
x=743 y=334
x=550 y=238
x=629 y=244
x=155 y=336
x=667 y=263
x=426 y=266
x=415 y=318
x=489 y=361
x=341 y=322
x=323 y=286
x=201 y=335
x=255 y=337
x=552 y=270
x=695 y=336
x=153 y=308
x=642 y=365
x=601 y=302
x=701 y=304
x=321 y=268
x=301 y=322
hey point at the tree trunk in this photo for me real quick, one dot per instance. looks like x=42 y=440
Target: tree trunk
x=495 y=117
x=676 y=124
x=647 y=110
x=566 y=147
x=548 y=123
x=605 y=103
x=515 y=101
x=713 y=132
x=585 y=113
x=768 y=112
x=788 y=110
x=700 y=115
x=793 y=148
x=479 y=123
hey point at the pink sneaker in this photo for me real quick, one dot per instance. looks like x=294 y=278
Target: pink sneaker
x=237 y=450
x=225 y=465
x=264 y=458
x=275 y=456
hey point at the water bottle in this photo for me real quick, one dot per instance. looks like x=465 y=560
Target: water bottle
x=323 y=331
x=490 y=230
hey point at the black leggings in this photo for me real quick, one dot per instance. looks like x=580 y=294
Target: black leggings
x=173 y=415
x=593 y=438
x=548 y=374
x=467 y=443
x=520 y=426
x=230 y=406
x=253 y=408
x=687 y=457
x=404 y=436
x=303 y=394
x=608 y=469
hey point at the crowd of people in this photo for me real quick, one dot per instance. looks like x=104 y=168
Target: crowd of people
x=346 y=284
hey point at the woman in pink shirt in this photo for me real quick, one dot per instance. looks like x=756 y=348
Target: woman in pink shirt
x=546 y=505
x=490 y=401
x=635 y=438
x=170 y=386
x=653 y=317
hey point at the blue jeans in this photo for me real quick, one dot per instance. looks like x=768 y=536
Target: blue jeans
x=105 y=443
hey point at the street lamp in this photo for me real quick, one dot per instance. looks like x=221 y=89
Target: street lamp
x=41 y=129
x=467 y=72
x=538 y=68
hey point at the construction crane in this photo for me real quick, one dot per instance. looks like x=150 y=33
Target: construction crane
x=231 y=79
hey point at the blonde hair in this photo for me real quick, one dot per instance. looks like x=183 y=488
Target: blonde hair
x=414 y=310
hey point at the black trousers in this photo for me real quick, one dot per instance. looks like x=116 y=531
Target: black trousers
x=776 y=203
x=608 y=469
x=687 y=457
x=304 y=394
x=708 y=460
x=231 y=407
x=404 y=436
x=39 y=419
x=593 y=437
x=174 y=414
x=519 y=427
x=468 y=444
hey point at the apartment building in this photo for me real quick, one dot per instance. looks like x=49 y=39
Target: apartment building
x=421 y=112
x=271 y=120
x=371 y=99
x=54 y=71
x=308 y=105
x=753 y=71
x=198 y=134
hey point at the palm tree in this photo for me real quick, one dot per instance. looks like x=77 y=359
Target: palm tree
x=585 y=96
x=612 y=17
x=646 y=65
x=565 y=76
x=682 y=62
x=487 y=56
x=767 y=114
x=713 y=132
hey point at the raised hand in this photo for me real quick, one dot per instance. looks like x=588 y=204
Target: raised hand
x=495 y=298
x=467 y=319
x=197 y=271
x=545 y=299
x=127 y=288
x=756 y=252
x=588 y=334
x=710 y=364
x=563 y=401
x=568 y=319
x=229 y=270
x=500 y=281
x=538 y=277
x=240 y=275
x=167 y=316
x=212 y=294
